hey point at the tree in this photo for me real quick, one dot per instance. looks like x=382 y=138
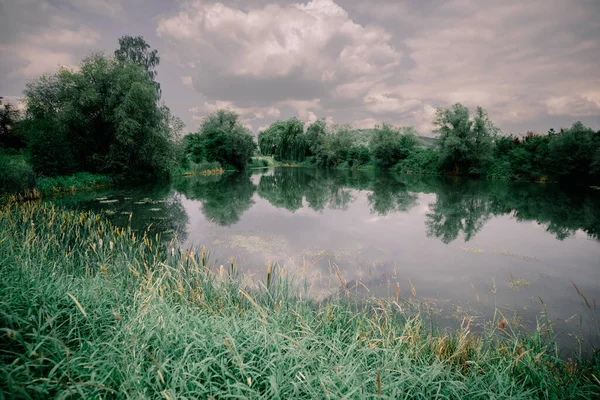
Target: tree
x=102 y=118
x=316 y=135
x=285 y=140
x=9 y=117
x=136 y=50
x=389 y=145
x=222 y=138
x=465 y=144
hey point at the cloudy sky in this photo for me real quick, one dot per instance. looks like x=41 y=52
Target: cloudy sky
x=532 y=64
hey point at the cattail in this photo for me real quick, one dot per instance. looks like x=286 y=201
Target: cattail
x=268 y=274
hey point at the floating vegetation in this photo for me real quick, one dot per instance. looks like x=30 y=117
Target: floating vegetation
x=514 y=284
x=154 y=209
x=254 y=243
x=510 y=254
x=112 y=201
x=144 y=201
x=109 y=212
x=101 y=198
x=473 y=250
x=207 y=172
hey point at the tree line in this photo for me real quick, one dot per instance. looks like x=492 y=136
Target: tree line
x=107 y=118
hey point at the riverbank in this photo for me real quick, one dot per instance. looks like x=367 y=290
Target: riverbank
x=90 y=310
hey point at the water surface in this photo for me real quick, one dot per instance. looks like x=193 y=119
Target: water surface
x=467 y=247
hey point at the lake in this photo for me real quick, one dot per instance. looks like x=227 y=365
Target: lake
x=466 y=247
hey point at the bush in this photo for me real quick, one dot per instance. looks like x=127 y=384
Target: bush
x=358 y=155
x=223 y=139
x=16 y=174
x=78 y=181
x=420 y=161
x=389 y=145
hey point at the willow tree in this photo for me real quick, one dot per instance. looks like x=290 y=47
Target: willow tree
x=466 y=144
x=221 y=138
x=105 y=117
x=285 y=140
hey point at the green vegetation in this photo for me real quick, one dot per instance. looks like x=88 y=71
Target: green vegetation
x=87 y=126
x=224 y=197
x=78 y=181
x=223 y=139
x=467 y=145
x=91 y=310
x=16 y=174
x=284 y=140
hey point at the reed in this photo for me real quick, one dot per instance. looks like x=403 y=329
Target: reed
x=92 y=310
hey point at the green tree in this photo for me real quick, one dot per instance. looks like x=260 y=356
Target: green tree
x=222 y=138
x=465 y=144
x=390 y=145
x=316 y=135
x=225 y=198
x=136 y=50
x=285 y=140
x=102 y=118
x=9 y=118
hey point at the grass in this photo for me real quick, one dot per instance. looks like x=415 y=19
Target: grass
x=262 y=162
x=72 y=183
x=88 y=309
x=203 y=168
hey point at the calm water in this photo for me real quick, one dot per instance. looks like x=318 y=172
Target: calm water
x=467 y=247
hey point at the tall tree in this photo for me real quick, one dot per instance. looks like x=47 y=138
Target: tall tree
x=466 y=144
x=102 y=118
x=9 y=117
x=136 y=50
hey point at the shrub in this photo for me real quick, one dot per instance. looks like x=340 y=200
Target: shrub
x=78 y=181
x=16 y=174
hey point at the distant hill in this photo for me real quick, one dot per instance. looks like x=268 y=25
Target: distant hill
x=427 y=141
x=362 y=136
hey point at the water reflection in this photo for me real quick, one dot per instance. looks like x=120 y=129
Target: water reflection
x=224 y=197
x=152 y=208
x=461 y=207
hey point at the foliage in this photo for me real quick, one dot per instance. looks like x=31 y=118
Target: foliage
x=419 y=161
x=71 y=183
x=284 y=140
x=390 y=145
x=358 y=155
x=465 y=144
x=222 y=138
x=16 y=174
x=91 y=310
x=9 y=119
x=224 y=197
x=136 y=50
x=103 y=118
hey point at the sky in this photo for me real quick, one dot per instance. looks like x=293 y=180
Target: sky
x=533 y=65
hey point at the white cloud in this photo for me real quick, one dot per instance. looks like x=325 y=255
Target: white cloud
x=576 y=105
x=517 y=60
x=313 y=42
x=366 y=123
x=384 y=103
x=186 y=80
x=247 y=114
x=37 y=60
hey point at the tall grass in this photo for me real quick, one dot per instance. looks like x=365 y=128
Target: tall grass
x=88 y=309
x=71 y=183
